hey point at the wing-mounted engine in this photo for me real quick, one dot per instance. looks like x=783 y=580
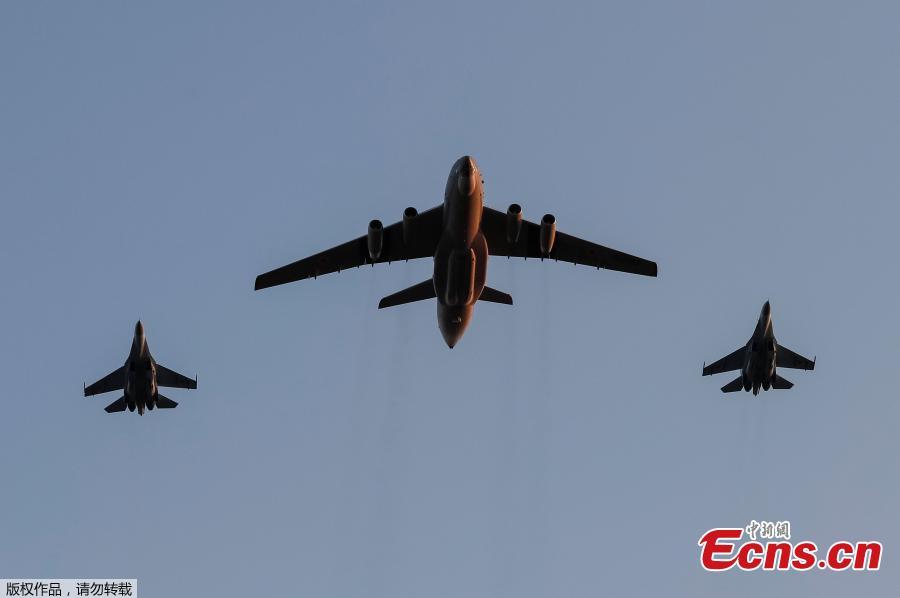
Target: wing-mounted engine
x=409 y=216
x=375 y=239
x=513 y=223
x=548 y=234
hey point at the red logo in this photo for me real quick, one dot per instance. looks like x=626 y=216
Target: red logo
x=721 y=549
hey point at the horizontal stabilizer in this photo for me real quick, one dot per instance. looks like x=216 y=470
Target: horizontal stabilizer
x=116 y=406
x=165 y=402
x=417 y=292
x=495 y=296
x=734 y=386
x=781 y=383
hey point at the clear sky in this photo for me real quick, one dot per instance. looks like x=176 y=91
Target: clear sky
x=156 y=157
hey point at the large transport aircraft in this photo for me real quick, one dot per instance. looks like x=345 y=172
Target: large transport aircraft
x=459 y=235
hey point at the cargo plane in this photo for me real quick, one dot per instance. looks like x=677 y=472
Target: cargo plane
x=459 y=235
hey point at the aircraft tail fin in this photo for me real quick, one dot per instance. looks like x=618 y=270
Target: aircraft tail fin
x=418 y=292
x=495 y=296
x=781 y=383
x=165 y=402
x=116 y=406
x=734 y=386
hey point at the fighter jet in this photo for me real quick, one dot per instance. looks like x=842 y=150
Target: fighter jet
x=458 y=235
x=140 y=378
x=759 y=359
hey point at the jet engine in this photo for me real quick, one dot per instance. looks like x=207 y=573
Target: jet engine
x=513 y=223
x=409 y=214
x=548 y=234
x=375 y=239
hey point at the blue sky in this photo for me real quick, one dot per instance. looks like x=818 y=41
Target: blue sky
x=157 y=157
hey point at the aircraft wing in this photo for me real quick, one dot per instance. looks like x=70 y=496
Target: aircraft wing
x=110 y=382
x=785 y=358
x=566 y=247
x=425 y=230
x=166 y=377
x=732 y=361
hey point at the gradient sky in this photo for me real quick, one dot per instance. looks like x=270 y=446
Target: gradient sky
x=156 y=157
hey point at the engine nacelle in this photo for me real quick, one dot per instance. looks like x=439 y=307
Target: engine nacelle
x=375 y=239
x=513 y=223
x=409 y=215
x=548 y=234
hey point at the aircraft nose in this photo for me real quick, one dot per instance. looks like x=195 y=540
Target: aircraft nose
x=767 y=309
x=466 y=166
x=139 y=329
x=465 y=176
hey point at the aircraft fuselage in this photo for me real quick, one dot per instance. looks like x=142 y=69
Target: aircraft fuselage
x=140 y=389
x=460 y=260
x=759 y=361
